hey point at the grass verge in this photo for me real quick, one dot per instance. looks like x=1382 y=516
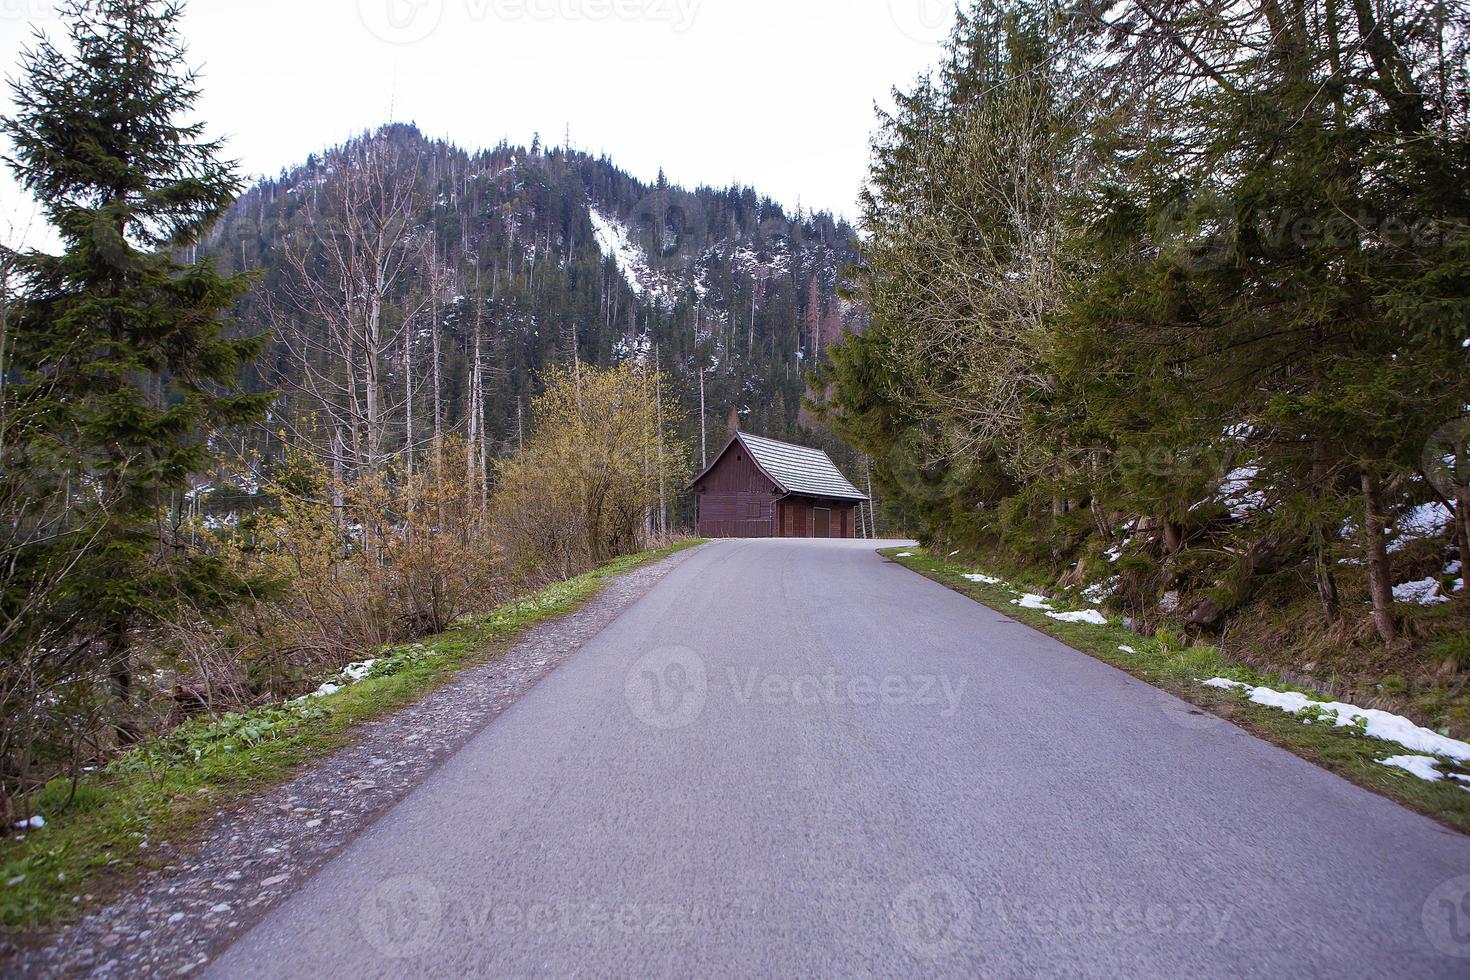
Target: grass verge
x=165 y=789
x=1177 y=667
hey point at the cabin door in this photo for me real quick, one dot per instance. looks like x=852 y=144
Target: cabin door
x=824 y=522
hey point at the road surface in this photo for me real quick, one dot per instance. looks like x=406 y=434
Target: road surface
x=794 y=758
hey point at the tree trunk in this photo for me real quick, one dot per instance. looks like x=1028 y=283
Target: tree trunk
x=1326 y=580
x=1326 y=585
x=1380 y=572
x=1462 y=529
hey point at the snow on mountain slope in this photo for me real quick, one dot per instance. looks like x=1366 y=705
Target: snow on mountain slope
x=616 y=243
x=612 y=239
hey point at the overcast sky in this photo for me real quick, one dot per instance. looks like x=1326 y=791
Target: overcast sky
x=777 y=94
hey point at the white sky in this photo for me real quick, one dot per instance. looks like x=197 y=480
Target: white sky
x=777 y=94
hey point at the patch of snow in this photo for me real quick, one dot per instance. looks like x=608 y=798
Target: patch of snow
x=34 y=823
x=983 y=579
x=1424 y=521
x=1422 y=766
x=1378 y=724
x=1031 y=601
x=1236 y=492
x=1127 y=649
x=904 y=554
x=1422 y=593
x=612 y=239
x=1085 y=616
x=350 y=675
x=1098 y=592
x=615 y=243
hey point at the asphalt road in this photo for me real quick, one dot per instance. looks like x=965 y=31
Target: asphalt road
x=797 y=759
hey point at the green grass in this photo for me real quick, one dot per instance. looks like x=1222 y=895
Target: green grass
x=1175 y=666
x=166 y=788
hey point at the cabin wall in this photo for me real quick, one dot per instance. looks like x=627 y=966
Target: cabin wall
x=736 y=500
x=796 y=517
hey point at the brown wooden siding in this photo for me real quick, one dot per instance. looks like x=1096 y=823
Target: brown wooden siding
x=736 y=500
x=797 y=518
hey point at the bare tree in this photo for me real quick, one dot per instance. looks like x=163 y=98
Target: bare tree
x=348 y=276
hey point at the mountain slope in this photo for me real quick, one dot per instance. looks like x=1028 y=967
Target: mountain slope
x=551 y=256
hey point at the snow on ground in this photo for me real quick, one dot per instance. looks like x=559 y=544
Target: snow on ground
x=34 y=823
x=350 y=675
x=1236 y=492
x=1030 y=600
x=904 y=554
x=1091 y=616
x=1127 y=649
x=1425 y=521
x=1098 y=592
x=612 y=239
x=1375 y=723
x=1422 y=766
x=617 y=244
x=984 y=579
x=1425 y=592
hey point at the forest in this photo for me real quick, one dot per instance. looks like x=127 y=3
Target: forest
x=251 y=435
x=1170 y=306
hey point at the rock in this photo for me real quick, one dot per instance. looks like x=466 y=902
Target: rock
x=1205 y=615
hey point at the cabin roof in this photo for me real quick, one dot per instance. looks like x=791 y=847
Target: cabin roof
x=794 y=469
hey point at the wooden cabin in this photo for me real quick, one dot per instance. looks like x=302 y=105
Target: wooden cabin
x=761 y=488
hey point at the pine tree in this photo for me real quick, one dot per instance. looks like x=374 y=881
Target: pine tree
x=123 y=343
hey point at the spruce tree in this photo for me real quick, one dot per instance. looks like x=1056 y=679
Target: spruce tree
x=123 y=344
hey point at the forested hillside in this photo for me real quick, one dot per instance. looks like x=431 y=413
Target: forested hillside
x=1171 y=303
x=468 y=275
x=252 y=437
